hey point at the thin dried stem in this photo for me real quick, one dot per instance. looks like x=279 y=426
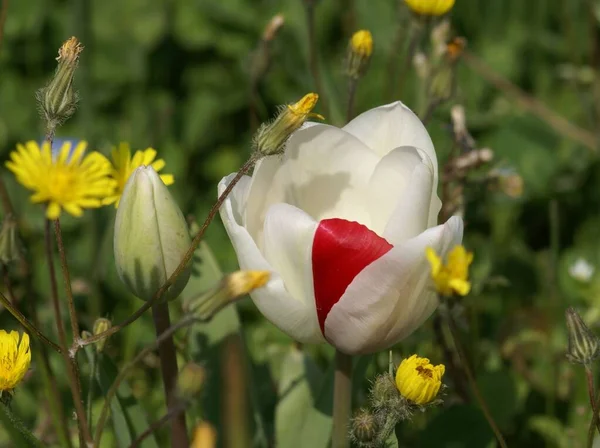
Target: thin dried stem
x=172 y=413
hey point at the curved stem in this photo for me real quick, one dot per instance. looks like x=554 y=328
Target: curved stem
x=79 y=343
x=342 y=397
x=473 y=383
x=171 y=414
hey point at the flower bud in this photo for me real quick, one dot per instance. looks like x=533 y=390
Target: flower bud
x=9 y=242
x=430 y=7
x=58 y=100
x=360 y=50
x=205 y=436
x=584 y=346
x=151 y=236
x=384 y=393
x=271 y=137
x=364 y=428
x=190 y=380
x=100 y=326
x=418 y=380
x=227 y=290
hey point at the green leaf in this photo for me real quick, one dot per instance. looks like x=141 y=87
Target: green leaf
x=303 y=414
x=552 y=431
x=128 y=417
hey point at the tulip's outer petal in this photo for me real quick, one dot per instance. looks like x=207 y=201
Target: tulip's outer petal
x=392 y=296
x=391 y=126
x=292 y=316
x=324 y=172
x=390 y=181
x=288 y=241
x=411 y=214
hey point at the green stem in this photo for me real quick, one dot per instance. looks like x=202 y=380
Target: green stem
x=313 y=54
x=416 y=28
x=90 y=395
x=79 y=343
x=342 y=396
x=18 y=424
x=475 y=389
x=352 y=84
x=168 y=367
x=593 y=422
x=172 y=413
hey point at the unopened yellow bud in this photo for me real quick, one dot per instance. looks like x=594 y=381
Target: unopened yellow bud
x=190 y=380
x=100 y=326
x=232 y=287
x=58 y=100
x=418 y=380
x=205 y=436
x=9 y=242
x=360 y=50
x=271 y=137
x=430 y=7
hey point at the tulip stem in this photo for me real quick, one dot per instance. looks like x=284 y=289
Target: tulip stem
x=342 y=398
x=168 y=367
x=79 y=343
x=475 y=389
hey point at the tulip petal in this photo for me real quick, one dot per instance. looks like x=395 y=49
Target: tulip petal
x=340 y=251
x=389 y=182
x=294 y=317
x=392 y=296
x=391 y=126
x=411 y=214
x=324 y=171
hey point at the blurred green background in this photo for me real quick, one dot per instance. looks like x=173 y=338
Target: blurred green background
x=177 y=75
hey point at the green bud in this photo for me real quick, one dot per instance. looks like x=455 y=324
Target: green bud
x=151 y=236
x=584 y=346
x=58 y=100
x=100 y=326
x=364 y=428
x=384 y=393
x=190 y=380
x=9 y=243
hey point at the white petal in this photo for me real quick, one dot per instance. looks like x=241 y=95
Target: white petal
x=293 y=317
x=324 y=172
x=392 y=296
x=388 y=127
x=389 y=182
x=288 y=241
x=411 y=215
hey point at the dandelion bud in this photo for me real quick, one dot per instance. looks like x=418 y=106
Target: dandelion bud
x=360 y=50
x=100 y=326
x=384 y=393
x=430 y=7
x=58 y=100
x=205 y=436
x=230 y=288
x=271 y=137
x=418 y=380
x=151 y=236
x=364 y=428
x=584 y=346
x=190 y=380
x=9 y=242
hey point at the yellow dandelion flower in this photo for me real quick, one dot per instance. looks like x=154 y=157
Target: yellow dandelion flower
x=68 y=180
x=15 y=358
x=451 y=278
x=124 y=165
x=430 y=7
x=418 y=380
x=362 y=43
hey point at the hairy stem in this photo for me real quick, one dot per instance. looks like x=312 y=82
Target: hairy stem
x=18 y=424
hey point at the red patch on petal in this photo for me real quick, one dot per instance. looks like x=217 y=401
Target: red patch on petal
x=341 y=249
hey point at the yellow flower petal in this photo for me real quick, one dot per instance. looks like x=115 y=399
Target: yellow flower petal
x=451 y=278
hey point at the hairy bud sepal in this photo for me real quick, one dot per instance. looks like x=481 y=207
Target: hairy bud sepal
x=584 y=345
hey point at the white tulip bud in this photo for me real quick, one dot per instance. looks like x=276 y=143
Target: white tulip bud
x=151 y=236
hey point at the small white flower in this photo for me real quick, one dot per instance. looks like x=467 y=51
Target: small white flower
x=582 y=270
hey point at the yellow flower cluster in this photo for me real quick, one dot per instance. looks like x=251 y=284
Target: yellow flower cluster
x=418 y=380
x=71 y=180
x=15 y=358
x=451 y=278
